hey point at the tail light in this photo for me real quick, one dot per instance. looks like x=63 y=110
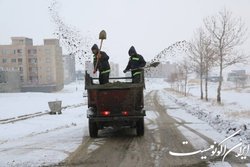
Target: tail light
x=125 y=113
x=105 y=113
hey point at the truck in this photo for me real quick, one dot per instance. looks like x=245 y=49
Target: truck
x=116 y=104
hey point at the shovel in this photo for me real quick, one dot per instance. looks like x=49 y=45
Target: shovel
x=153 y=64
x=102 y=36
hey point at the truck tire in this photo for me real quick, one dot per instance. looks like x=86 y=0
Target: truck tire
x=93 y=130
x=140 y=127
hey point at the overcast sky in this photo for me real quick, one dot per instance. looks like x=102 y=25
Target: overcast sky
x=149 y=25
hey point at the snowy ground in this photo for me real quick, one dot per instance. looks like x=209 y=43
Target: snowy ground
x=206 y=127
x=214 y=121
x=41 y=140
x=16 y=104
x=233 y=113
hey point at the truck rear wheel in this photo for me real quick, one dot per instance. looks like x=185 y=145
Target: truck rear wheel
x=93 y=130
x=140 y=127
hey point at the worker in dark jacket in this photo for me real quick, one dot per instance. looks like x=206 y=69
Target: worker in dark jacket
x=101 y=64
x=135 y=64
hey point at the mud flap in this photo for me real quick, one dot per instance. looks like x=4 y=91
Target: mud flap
x=140 y=127
x=93 y=129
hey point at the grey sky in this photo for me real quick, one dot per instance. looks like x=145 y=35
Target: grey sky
x=149 y=25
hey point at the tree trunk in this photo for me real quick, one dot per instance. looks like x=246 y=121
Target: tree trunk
x=185 y=88
x=218 y=93
x=220 y=79
x=201 y=84
x=206 y=84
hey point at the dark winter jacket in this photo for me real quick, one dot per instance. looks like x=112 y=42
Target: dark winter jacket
x=103 y=63
x=136 y=61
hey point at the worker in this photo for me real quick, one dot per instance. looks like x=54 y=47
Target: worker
x=135 y=64
x=101 y=63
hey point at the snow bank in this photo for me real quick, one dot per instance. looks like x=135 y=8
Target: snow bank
x=215 y=115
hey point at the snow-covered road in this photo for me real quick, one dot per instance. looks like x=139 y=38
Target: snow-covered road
x=173 y=123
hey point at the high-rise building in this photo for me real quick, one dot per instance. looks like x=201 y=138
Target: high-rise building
x=69 y=69
x=89 y=68
x=114 y=69
x=163 y=70
x=40 y=67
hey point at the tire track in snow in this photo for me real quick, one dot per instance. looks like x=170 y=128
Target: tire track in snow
x=231 y=159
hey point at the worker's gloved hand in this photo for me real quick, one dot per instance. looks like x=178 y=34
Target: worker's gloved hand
x=124 y=71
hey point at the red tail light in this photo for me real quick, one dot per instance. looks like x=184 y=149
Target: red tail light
x=105 y=113
x=125 y=113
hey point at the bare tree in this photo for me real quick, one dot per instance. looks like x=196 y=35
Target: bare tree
x=209 y=61
x=197 y=55
x=185 y=69
x=172 y=79
x=227 y=34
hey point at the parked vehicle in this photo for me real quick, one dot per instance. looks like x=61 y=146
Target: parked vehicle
x=237 y=75
x=118 y=104
x=214 y=79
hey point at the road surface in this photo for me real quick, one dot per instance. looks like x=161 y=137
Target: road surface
x=122 y=148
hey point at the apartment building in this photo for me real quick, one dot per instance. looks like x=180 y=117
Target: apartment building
x=114 y=69
x=69 y=65
x=163 y=70
x=40 y=66
x=9 y=81
x=89 y=68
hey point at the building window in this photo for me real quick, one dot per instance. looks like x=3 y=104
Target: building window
x=21 y=78
x=33 y=69
x=19 y=51
x=20 y=69
x=14 y=51
x=4 y=60
x=6 y=52
x=20 y=60
x=33 y=79
x=32 y=51
x=21 y=42
x=33 y=60
x=13 y=60
x=1 y=80
x=9 y=52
